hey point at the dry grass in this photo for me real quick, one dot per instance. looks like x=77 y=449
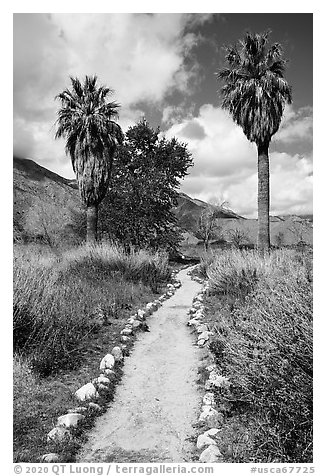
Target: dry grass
x=58 y=338
x=58 y=299
x=263 y=342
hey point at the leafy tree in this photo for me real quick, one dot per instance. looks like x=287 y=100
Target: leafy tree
x=138 y=208
x=255 y=93
x=85 y=121
x=208 y=224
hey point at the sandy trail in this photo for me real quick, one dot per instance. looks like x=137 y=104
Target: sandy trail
x=158 y=400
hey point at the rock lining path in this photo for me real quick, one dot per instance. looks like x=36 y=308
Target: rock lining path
x=157 y=401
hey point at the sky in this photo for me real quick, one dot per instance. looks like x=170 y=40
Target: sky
x=162 y=67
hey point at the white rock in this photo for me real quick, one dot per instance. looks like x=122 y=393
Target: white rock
x=102 y=387
x=212 y=431
x=103 y=380
x=204 y=335
x=210 y=455
x=124 y=338
x=117 y=353
x=193 y=322
x=196 y=305
x=199 y=315
x=204 y=440
x=202 y=328
x=201 y=342
x=94 y=407
x=141 y=314
x=108 y=373
x=107 y=362
x=59 y=434
x=170 y=286
x=86 y=392
x=126 y=332
x=169 y=293
x=50 y=458
x=131 y=320
x=77 y=410
x=218 y=380
x=208 y=399
x=211 y=416
x=70 y=420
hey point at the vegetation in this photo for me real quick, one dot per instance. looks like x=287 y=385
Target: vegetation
x=60 y=299
x=260 y=305
x=255 y=93
x=238 y=237
x=68 y=307
x=260 y=309
x=138 y=209
x=208 y=225
x=85 y=121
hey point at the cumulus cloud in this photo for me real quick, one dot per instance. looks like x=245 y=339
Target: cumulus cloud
x=148 y=59
x=225 y=165
x=140 y=56
x=218 y=145
x=296 y=125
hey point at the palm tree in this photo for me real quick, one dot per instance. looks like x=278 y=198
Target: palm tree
x=255 y=93
x=85 y=121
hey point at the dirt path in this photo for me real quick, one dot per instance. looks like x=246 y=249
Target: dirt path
x=158 y=400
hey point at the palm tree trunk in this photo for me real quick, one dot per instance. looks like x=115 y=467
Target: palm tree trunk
x=263 y=198
x=92 y=215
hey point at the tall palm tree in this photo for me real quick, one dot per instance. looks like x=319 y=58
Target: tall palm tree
x=85 y=121
x=255 y=93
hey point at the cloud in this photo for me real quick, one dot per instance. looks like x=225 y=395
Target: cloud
x=221 y=149
x=148 y=59
x=296 y=125
x=291 y=183
x=140 y=56
x=225 y=165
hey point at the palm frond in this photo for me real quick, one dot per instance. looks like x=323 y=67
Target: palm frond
x=85 y=121
x=255 y=91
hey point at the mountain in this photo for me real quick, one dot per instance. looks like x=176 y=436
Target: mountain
x=188 y=211
x=47 y=206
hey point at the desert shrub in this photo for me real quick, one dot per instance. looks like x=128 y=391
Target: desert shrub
x=143 y=266
x=265 y=345
x=56 y=298
x=237 y=272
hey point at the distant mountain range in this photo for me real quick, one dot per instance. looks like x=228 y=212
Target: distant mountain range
x=47 y=204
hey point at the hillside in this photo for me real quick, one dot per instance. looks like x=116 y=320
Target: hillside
x=47 y=206
x=44 y=205
x=188 y=211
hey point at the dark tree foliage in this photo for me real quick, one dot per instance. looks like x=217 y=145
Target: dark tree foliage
x=148 y=168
